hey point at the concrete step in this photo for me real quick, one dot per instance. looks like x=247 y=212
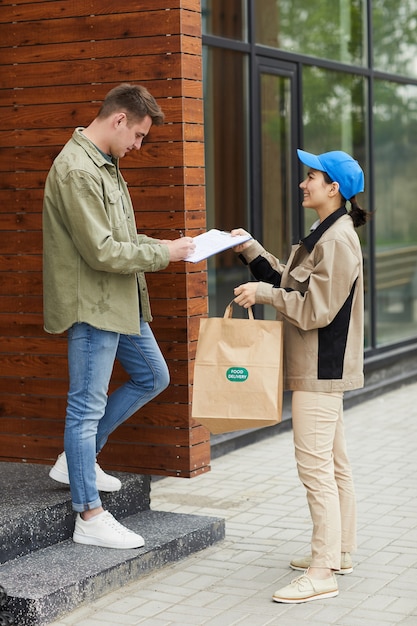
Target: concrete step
x=46 y=574
x=53 y=581
x=36 y=511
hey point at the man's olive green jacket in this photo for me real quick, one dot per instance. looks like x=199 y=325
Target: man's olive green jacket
x=93 y=259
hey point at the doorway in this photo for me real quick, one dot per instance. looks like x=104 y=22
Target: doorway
x=276 y=217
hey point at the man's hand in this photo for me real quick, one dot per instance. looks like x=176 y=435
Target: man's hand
x=180 y=248
x=242 y=246
x=246 y=294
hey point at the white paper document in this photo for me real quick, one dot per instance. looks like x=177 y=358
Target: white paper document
x=212 y=242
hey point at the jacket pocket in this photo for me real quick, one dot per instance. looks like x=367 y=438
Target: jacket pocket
x=301 y=274
x=116 y=212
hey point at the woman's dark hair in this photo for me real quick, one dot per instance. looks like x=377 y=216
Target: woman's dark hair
x=359 y=216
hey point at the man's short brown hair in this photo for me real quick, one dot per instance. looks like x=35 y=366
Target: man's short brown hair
x=135 y=101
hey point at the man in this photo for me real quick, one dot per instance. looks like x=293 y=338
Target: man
x=95 y=288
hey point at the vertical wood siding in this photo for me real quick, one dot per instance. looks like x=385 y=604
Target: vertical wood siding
x=58 y=59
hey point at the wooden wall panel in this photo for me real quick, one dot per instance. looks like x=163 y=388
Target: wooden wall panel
x=57 y=61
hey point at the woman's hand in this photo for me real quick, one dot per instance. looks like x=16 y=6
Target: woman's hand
x=246 y=294
x=241 y=246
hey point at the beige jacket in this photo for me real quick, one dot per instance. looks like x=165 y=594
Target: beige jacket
x=319 y=296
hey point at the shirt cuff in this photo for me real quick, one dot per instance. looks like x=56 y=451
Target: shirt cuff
x=264 y=293
x=252 y=251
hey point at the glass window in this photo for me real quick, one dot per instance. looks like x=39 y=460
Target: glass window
x=334 y=118
x=225 y=19
x=226 y=155
x=275 y=172
x=334 y=115
x=275 y=163
x=395 y=220
x=330 y=29
x=394 y=26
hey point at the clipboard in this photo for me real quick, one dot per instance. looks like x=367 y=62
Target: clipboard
x=212 y=242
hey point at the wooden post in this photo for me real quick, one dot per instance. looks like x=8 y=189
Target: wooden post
x=59 y=60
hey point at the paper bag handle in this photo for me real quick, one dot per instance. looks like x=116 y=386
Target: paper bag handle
x=229 y=311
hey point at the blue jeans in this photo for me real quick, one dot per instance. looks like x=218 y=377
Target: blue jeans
x=91 y=414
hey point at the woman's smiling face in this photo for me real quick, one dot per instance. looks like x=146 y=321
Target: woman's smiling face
x=315 y=190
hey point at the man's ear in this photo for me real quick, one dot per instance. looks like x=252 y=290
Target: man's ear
x=119 y=118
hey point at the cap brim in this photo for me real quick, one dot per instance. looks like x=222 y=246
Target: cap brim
x=311 y=160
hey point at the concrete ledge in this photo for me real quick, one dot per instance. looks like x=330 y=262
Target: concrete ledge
x=53 y=581
x=45 y=574
x=36 y=512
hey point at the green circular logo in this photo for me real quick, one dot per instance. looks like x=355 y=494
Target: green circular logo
x=237 y=374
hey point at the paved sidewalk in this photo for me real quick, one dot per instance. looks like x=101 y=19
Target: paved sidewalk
x=257 y=490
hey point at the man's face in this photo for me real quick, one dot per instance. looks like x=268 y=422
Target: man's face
x=128 y=137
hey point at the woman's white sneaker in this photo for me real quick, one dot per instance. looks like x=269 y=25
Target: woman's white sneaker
x=105 y=531
x=105 y=482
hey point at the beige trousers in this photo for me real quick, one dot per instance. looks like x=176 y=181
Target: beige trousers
x=324 y=469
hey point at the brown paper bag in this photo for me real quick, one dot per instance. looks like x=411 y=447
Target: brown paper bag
x=238 y=373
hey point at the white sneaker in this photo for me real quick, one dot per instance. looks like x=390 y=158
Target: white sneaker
x=105 y=482
x=105 y=531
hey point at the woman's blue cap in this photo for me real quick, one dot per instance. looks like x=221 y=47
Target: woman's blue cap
x=341 y=168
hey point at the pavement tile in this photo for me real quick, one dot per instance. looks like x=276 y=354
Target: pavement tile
x=257 y=491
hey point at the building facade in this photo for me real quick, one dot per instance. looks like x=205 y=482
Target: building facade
x=329 y=75
x=58 y=60
x=243 y=83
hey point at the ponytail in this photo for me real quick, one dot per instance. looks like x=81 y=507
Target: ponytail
x=359 y=216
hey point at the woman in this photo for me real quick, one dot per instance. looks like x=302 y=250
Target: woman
x=319 y=296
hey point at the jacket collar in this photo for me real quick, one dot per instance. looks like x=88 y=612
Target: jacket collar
x=93 y=152
x=311 y=239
